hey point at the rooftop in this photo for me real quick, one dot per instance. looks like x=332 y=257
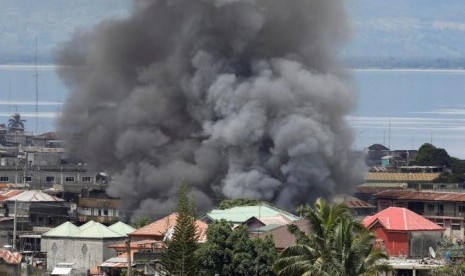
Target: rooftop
x=33 y=196
x=90 y=230
x=401 y=177
x=240 y=214
x=422 y=195
x=161 y=226
x=401 y=219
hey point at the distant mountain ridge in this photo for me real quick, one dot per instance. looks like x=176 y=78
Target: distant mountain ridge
x=386 y=34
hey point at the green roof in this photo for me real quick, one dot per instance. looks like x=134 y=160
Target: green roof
x=91 y=230
x=122 y=228
x=66 y=229
x=240 y=214
x=97 y=230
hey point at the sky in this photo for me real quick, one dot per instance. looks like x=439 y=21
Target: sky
x=385 y=34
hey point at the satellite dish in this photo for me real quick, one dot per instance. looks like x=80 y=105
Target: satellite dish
x=432 y=253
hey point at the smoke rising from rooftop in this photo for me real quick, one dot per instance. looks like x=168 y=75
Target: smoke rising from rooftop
x=239 y=98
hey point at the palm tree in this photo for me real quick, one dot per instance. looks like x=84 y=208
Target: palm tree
x=15 y=123
x=336 y=245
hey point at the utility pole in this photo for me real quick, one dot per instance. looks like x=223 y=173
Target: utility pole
x=14 y=224
x=128 y=251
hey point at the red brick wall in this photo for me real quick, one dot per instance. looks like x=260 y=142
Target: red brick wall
x=395 y=243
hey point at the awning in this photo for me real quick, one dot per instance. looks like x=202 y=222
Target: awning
x=111 y=264
x=61 y=271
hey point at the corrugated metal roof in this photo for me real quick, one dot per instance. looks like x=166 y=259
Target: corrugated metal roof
x=241 y=214
x=282 y=238
x=422 y=195
x=33 y=196
x=401 y=177
x=97 y=230
x=11 y=257
x=91 y=230
x=121 y=228
x=66 y=229
x=401 y=219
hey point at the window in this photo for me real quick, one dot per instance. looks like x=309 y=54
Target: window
x=430 y=207
x=92 y=211
x=69 y=178
x=4 y=179
x=85 y=178
x=27 y=178
x=462 y=209
x=455 y=226
x=105 y=212
x=49 y=178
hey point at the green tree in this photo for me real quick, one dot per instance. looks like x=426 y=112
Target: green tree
x=178 y=257
x=429 y=155
x=231 y=252
x=450 y=269
x=335 y=245
x=15 y=123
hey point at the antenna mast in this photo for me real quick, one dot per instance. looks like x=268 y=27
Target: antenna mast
x=36 y=80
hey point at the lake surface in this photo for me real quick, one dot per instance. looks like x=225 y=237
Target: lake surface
x=399 y=108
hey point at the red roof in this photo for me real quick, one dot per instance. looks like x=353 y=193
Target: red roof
x=10 y=257
x=160 y=227
x=401 y=219
x=423 y=195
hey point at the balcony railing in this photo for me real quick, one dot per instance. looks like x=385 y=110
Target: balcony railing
x=101 y=219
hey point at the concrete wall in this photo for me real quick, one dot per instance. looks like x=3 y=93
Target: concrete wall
x=85 y=253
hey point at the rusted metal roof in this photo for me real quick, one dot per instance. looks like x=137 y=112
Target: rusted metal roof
x=422 y=195
x=11 y=257
x=401 y=219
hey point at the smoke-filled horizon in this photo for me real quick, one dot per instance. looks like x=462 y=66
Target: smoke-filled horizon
x=238 y=98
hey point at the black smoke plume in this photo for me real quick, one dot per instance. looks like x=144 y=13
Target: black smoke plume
x=238 y=98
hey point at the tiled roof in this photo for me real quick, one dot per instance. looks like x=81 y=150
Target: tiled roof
x=282 y=238
x=401 y=177
x=121 y=228
x=34 y=196
x=11 y=257
x=422 y=195
x=240 y=214
x=401 y=219
x=160 y=227
x=66 y=229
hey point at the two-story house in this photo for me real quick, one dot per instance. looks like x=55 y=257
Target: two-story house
x=447 y=209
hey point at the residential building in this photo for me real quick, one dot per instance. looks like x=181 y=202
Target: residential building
x=252 y=216
x=403 y=232
x=103 y=210
x=85 y=246
x=157 y=230
x=446 y=209
x=282 y=238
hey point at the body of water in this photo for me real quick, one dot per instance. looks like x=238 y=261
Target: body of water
x=401 y=109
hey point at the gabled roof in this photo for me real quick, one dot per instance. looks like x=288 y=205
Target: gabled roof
x=240 y=214
x=34 y=196
x=122 y=228
x=66 y=229
x=90 y=230
x=98 y=230
x=282 y=238
x=401 y=219
x=10 y=193
x=161 y=226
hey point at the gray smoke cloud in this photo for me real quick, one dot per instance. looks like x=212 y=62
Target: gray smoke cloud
x=238 y=98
